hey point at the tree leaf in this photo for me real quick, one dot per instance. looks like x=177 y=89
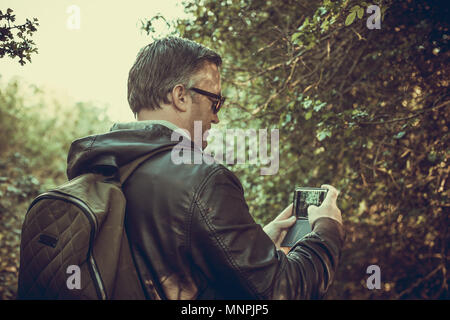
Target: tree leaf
x=307 y=104
x=360 y=13
x=319 y=106
x=399 y=135
x=350 y=18
x=295 y=36
x=355 y=8
x=323 y=134
x=308 y=115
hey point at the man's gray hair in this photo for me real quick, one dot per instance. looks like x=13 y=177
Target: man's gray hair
x=160 y=66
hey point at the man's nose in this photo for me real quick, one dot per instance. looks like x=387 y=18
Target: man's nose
x=215 y=119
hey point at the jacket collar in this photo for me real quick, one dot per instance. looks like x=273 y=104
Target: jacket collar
x=146 y=124
x=124 y=143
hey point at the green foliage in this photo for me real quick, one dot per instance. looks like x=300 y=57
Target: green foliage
x=355 y=11
x=18 y=44
x=364 y=110
x=41 y=128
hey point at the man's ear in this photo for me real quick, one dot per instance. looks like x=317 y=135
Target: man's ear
x=180 y=98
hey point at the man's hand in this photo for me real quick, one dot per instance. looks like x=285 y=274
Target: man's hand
x=277 y=229
x=328 y=208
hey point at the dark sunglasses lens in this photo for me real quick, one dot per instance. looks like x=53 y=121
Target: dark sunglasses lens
x=215 y=106
x=218 y=105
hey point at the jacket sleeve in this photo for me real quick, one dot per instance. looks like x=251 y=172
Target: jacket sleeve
x=241 y=261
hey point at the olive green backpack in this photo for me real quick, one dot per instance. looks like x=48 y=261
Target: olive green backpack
x=74 y=244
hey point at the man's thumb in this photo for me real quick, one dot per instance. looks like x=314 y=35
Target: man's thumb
x=286 y=223
x=312 y=209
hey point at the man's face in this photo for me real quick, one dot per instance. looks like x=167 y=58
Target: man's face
x=207 y=79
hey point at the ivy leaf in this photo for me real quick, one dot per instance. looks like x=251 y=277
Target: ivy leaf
x=399 y=135
x=307 y=104
x=325 y=26
x=350 y=18
x=360 y=13
x=288 y=118
x=355 y=8
x=323 y=134
x=318 y=107
x=295 y=36
x=308 y=115
x=322 y=11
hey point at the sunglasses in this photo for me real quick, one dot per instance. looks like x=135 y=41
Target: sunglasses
x=218 y=99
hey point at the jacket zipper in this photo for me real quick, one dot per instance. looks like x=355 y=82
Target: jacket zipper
x=98 y=283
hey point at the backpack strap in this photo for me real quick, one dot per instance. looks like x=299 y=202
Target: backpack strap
x=124 y=173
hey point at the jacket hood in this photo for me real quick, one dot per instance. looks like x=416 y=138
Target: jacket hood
x=125 y=142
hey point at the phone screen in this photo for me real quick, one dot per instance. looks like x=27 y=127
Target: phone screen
x=304 y=197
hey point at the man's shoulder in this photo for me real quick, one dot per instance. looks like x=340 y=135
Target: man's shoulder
x=189 y=175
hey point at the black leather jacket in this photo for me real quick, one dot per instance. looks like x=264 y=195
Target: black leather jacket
x=190 y=230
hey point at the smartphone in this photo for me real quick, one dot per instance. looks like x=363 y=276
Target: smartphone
x=303 y=198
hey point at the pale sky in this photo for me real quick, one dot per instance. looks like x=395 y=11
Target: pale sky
x=90 y=63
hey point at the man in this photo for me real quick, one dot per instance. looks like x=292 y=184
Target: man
x=190 y=230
